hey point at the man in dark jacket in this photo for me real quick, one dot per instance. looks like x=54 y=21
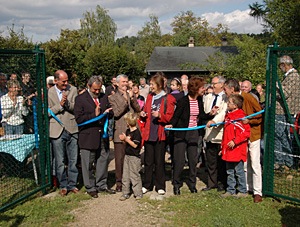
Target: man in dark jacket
x=94 y=149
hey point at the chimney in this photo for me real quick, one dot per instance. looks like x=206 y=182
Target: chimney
x=191 y=42
x=224 y=41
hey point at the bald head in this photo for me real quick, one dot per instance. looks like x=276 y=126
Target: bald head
x=61 y=79
x=246 y=86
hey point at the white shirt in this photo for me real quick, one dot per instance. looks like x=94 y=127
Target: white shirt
x=13 y=115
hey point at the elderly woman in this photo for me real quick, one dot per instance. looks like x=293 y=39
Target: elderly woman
x=158 y=111
x=13 y=109
x=189 y=112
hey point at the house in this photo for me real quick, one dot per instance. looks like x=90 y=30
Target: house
x=175 y=61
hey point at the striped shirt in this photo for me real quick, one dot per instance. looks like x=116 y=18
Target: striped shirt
x=194 y=112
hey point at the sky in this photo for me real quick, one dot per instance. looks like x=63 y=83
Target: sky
x=43 y=19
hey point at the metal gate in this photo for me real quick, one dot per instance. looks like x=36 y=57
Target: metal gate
x=281 y=175
x=24 y=157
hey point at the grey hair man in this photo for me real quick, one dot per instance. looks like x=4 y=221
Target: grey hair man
x=122 y=102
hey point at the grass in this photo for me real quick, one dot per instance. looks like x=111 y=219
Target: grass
x=201 y=209
x=208 y=209
x=43 y=211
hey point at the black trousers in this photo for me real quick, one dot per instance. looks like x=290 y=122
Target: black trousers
x=154 y=165
x=216 y=167
x=189 y=144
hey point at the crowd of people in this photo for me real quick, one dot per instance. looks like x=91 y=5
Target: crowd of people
x=155 y=118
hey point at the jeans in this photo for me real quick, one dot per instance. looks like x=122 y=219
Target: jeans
x=66 y=146
x=13 y=129
x=282 y=142
x=236 y=177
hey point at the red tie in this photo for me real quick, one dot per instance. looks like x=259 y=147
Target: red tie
x=96 y=101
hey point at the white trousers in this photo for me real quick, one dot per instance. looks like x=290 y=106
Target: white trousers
x=253 y=168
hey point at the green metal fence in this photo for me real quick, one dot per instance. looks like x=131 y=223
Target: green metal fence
x=281 y=175
x=24 y=158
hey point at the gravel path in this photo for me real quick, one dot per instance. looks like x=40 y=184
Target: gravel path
x=108 y=210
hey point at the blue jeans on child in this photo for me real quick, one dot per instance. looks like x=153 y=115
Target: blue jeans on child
x=236 y=177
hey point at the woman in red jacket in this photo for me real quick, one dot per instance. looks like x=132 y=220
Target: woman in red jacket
x=158 y=111
x=234 y=147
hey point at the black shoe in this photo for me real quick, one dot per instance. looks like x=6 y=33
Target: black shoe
x=220 y=188
x=119 y=188
x=93 y=194
x=107 y=190
x=193 y=190
x=176 y=191
x=208 y=188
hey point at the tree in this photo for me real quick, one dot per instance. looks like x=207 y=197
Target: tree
x=110 y=61
x=15 y=39
x=67 y=53
x=186 y=25
x=98 y=27
x=248 y=64
x=149 y=37
x=281 y=18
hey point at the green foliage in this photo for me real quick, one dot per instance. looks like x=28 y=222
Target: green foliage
x=15 y=40
x=98 y=27
x=186 y=25
x=110 y=61
x=127 y=42
x=67 y=53
x=148 y=38
x=248 y=64
x=281 y=18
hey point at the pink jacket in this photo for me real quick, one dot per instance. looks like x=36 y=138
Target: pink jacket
x=239 y=133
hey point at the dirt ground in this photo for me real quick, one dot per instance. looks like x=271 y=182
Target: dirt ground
x=108 y=210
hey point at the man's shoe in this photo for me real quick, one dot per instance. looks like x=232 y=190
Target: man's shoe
x=124 y=197
x=193 y=190
x=176 y=191
x=241 y=195
x=257 y=199
x=221 y=188
x=119 y=188
x=63 y=192
x=75 y=190
x=208 y=188
x=227 y=194
x=107 y=190
x=93 y=194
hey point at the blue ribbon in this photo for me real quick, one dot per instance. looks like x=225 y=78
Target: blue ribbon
x=105 y=134
x=220 y=123
x=35 y=122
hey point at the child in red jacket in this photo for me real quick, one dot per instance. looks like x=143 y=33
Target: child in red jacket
x=234 y=147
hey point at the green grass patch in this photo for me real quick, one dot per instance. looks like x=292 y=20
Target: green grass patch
x=41 y=211
x=209 y=209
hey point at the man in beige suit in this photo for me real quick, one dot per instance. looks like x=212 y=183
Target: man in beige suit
x=213 y=135
x=121 y=103
x=64 y=131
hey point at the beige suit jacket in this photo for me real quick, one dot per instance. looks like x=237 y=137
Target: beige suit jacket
x=215 y=134
x=65 y=115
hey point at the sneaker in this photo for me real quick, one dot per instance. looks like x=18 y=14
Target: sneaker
x=226 y=194
x=138 y=197
x=161 y=192
x=144 y=190
x=241 y=195
x=124 y=197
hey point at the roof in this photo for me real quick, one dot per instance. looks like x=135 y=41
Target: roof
x=171 y=59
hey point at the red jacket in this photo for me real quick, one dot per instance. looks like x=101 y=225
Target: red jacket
x=239 y=133
x=165 y=118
